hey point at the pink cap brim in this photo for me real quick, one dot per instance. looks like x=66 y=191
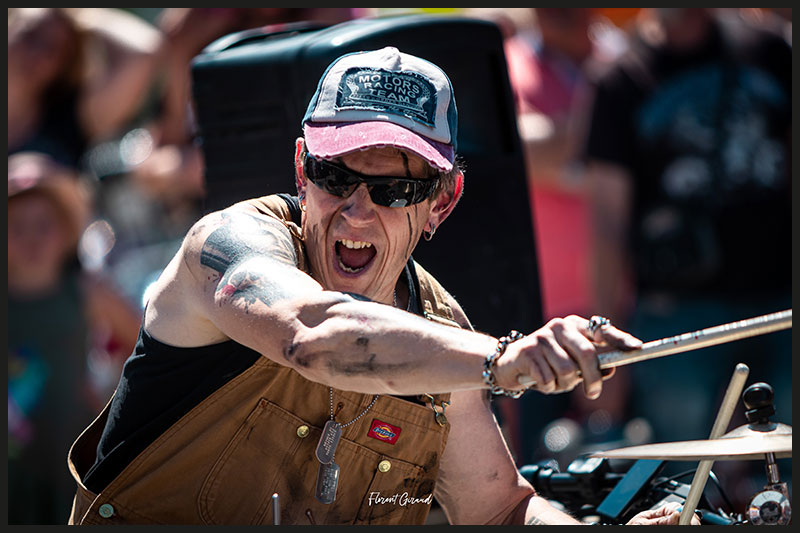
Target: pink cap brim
x=333 y=139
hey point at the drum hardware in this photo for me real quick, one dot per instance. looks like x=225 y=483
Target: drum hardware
x=771 y=506
x=587 y=481
x=586 y=490
x=635 y=487
x=759 y=439
x=758 y=400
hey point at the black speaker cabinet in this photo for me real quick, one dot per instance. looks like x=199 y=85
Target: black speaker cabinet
x=251 y=90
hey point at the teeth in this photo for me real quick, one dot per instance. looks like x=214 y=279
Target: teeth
x=355 y=245
x=347 y=268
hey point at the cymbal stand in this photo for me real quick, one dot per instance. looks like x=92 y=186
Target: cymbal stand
x=771 y=506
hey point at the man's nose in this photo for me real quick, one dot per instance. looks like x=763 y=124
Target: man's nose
x=359 y=208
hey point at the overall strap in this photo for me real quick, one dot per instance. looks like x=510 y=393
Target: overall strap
x=434 y=299
x=286 y=209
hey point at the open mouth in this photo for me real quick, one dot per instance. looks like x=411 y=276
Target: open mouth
x=354 y=256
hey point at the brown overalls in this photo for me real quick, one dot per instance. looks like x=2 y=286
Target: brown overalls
x=256 y=436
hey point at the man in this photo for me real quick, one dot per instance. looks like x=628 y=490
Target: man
x=278 y=354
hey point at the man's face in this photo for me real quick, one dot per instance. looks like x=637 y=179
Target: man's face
x=355 y=245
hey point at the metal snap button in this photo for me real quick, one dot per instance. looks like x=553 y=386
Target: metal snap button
x=384 y=466
x=106 y=510
x=303 y=431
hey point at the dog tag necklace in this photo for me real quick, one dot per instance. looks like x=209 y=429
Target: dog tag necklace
x=328 y=473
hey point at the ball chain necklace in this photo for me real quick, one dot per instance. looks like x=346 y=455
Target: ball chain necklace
x=328 y=472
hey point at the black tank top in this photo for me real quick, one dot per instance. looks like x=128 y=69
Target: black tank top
x=160 y=384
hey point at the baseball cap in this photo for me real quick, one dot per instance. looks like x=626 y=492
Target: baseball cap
x=383 y=98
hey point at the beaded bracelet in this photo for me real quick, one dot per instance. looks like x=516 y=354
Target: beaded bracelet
x=488 y=365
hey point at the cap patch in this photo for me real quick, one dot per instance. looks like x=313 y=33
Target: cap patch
x=407 y=94
x=383 y=431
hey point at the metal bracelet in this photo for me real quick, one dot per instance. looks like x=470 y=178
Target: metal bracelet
x=489 y=362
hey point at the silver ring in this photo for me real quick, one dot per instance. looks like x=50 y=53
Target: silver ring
x=597 y=322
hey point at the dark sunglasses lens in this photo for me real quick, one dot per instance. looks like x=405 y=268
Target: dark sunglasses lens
x=331 y=179
x=399 y=193
x=383 y=191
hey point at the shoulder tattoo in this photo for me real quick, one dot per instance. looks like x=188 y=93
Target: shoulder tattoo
x=241 y=240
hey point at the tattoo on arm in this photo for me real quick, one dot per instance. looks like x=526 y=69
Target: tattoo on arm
x=241 y=238
x=534 y=521
x=366 y=364
x=250 y=287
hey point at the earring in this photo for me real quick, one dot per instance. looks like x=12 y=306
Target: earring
x=428 y=235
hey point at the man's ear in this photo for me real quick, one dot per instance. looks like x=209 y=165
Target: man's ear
x=446 y=201
x=299 y=172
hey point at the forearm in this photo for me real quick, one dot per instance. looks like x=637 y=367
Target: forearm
x=535 y=511
x=539 y=512
x=374 y=348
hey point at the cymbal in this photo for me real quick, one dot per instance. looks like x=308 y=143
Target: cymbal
x=749 y=430
x=743 y=448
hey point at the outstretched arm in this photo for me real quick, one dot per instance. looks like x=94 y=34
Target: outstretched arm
x=236 y=277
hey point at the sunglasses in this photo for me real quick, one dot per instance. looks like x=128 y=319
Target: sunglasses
x=387 y=191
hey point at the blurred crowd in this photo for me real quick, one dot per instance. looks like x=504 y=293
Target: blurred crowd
x=656 y=144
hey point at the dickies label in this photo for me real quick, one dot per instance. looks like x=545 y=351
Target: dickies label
x=384 y=432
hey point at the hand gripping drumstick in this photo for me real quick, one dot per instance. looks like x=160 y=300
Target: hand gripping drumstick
x=691 y=341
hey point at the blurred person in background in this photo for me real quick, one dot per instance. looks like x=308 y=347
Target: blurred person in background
x=153 y=175
x=68 y=334
x=75 y=77
x=689 y=168
x=778 y=19
x=174 y=169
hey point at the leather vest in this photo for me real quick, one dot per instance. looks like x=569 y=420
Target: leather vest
x=256 y=436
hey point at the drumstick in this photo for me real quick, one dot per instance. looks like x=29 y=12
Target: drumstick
x=732 y=331
x=724 y=415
